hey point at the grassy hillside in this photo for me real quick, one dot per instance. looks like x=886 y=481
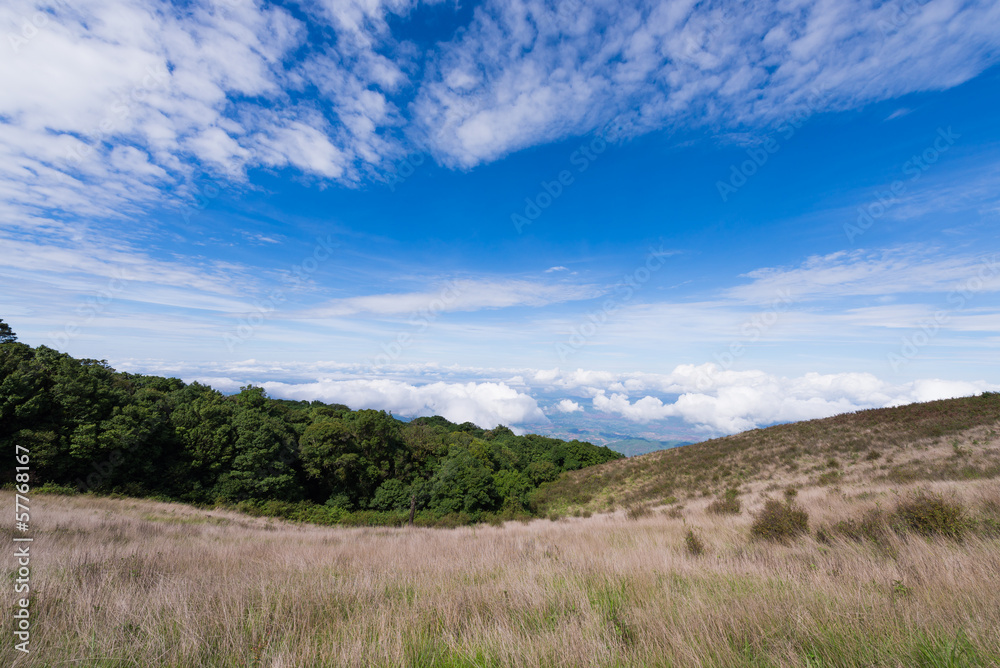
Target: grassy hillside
x=955 y=439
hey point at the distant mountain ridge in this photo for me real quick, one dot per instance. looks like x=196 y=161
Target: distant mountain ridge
x=631 y=447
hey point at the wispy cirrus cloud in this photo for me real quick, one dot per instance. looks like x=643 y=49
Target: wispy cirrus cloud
x=895 y=271
x=532 y=72
x=459 y=295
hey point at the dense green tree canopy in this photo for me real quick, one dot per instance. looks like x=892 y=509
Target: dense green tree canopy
x=94 y=429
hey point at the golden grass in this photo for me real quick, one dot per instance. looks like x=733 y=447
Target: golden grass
x=142 y=583
x=955 y=439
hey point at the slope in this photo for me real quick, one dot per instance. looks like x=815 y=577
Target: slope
x=953 y=439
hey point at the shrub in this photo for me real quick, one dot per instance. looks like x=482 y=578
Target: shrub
x=54 y=488
x=674 y=513
x=871 y=526
x=727 y=504
x=779 y=521
x=693 y=544
x=828 y=478
x=932 y=515
x=635 y=512
x=791 y=492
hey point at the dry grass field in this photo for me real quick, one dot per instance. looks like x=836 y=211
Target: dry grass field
x=121 y=582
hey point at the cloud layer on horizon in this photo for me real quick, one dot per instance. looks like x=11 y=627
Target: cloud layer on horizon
x=712 y=400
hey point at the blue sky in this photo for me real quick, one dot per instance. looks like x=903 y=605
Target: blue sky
x=666 y=219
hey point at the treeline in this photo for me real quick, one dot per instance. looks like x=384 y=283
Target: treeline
x=94 y=429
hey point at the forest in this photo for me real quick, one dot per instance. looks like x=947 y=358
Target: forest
x=93 y=429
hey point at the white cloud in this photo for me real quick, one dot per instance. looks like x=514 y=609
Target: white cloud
x=121 y=102
x=863 y=272
x=484 y=404
x=568 y=406
x=530 y=72
x=725 y=402
x=706 y=397
x=459 y=295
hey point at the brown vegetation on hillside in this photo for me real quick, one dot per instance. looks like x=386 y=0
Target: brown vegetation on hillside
x=955 y=439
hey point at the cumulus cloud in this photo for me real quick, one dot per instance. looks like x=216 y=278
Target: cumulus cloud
x=568 y=406
x=725 y=402
x=713 y=400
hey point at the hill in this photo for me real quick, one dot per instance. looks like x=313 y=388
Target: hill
x=91 y=428
x=955 y=439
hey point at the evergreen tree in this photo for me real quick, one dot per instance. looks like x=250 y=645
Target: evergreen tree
x=7 y=335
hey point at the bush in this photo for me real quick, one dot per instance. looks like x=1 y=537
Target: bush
x=693 y=544
x=635 y=512
x=727 y=504
x=779 y=521
x=54 y=488
x=932 y=515
x=872 y=526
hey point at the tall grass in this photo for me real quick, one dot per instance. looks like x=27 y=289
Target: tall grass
x=140 y=583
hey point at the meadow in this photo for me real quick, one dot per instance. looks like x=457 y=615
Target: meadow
x=126 y=582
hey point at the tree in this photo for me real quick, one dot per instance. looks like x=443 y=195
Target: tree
x=463 y=483
x=351 y=457
x=330 y=457
x=265 y=450
x=7 y=334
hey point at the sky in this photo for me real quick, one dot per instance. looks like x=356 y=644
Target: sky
x=605 y=219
